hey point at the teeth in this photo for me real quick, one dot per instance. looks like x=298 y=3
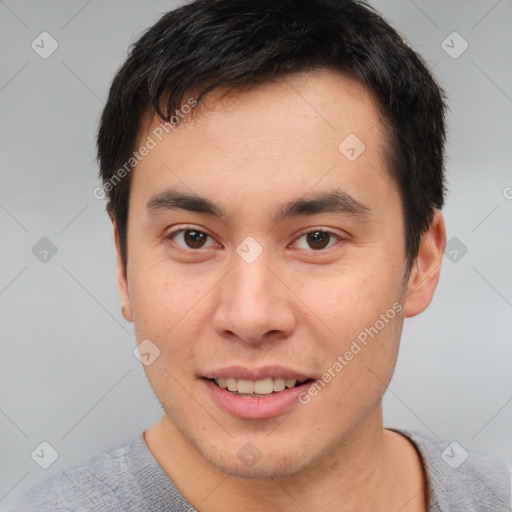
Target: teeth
x=257 y=387
x=246 y=386
x=264 y=387
x=232 y=384
x=279 y=384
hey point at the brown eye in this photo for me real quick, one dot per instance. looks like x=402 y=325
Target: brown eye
x=318 y=239
x=194 y=239
x=189 y=238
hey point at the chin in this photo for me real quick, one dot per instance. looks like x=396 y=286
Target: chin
x=265 y=468
x=259 y=454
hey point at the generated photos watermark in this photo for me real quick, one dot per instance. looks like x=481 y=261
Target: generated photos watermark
x=150 y=143
x=356 y=347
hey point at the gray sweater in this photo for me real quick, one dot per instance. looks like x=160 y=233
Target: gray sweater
x=130 y=479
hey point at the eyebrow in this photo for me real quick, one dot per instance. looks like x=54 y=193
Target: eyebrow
x=330 y=201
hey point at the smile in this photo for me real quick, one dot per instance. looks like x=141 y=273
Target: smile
x=253 y=394
x=256 y=388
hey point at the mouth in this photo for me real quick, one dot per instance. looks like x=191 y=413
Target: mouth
x=257 y=388
x=258 y=394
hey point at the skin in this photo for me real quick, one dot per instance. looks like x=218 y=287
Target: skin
x=294 y=306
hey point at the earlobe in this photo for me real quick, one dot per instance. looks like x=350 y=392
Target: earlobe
x=122 y=281
x=426 y=270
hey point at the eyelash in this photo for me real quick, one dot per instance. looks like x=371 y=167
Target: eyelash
x=173 y=234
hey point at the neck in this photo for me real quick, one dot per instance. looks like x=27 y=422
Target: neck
x=372 y=469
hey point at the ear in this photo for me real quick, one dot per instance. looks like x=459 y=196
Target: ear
x=122 y=282
x=426 y=269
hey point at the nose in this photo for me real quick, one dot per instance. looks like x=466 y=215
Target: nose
x=254 y=305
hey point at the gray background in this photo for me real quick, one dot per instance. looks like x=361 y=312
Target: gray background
x=68 y=375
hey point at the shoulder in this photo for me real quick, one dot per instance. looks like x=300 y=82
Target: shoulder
x=100 y=484
x=459 y=479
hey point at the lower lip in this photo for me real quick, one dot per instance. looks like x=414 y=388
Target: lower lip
x=255 y=408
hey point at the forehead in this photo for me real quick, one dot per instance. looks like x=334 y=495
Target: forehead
x=322 y=93
x=286 y=135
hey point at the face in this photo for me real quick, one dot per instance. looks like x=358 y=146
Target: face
x=265 y=249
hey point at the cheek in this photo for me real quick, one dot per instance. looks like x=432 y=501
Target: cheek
x=352 y=299
x=158 y=300
x=168 y=305
x=364 y=314
x=356 y=376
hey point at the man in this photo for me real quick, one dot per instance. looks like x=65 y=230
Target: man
x=274 y=175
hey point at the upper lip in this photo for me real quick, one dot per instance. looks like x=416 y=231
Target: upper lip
x=241 y=372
